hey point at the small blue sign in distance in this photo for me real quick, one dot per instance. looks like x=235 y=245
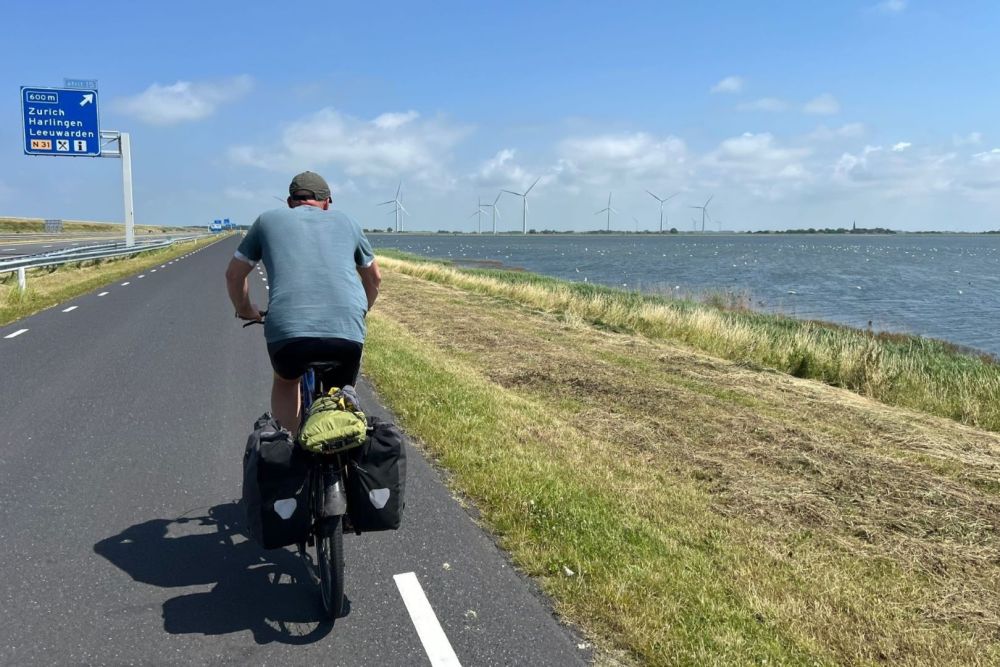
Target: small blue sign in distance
x=60 y=121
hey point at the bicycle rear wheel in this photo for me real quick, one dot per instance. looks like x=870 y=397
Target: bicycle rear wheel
x=330 y=562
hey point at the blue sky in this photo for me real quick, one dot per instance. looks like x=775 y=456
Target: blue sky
x=791 y=114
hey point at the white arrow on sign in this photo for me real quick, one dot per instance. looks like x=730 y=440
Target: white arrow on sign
x=87 y=99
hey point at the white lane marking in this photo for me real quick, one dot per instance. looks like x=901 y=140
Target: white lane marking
x=70 y=309
x=103 y=293
x=153 y=271
x=47 y=246
x=267 y=287
x=16 y=333
x=143 y=275
x=124 y=283
x=435 y=642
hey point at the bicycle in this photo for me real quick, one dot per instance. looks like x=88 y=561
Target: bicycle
x=327 y=498
x=328 y=501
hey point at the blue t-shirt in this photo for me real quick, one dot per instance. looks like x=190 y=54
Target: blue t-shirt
x=311 y=256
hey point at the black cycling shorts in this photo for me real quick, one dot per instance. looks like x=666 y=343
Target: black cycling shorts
x=292 y=356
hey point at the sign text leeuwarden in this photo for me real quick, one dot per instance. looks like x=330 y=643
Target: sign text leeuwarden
x=60 y=121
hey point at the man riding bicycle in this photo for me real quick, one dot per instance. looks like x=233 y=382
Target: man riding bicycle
x=323 y=278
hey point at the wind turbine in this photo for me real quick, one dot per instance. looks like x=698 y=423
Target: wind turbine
x=495 y=211
x=609 y=210
x=704 y=212
x=524 y=206
x=662 y=202
x=399 y=207
x=479 y=214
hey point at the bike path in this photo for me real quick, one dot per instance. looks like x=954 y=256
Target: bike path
x=125 y=420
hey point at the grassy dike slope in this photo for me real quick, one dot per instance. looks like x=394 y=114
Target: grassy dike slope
x=710 y=513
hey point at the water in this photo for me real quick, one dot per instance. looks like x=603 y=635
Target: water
x=945 y=287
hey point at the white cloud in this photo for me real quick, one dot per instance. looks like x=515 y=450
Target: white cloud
x=891 y=7
x=390 y=145
x=502 y=171
x=988 y=157
x=901 y=146
x=764 y=104
x=755 y=149
x=391 y=121
x=731 y=84
x=971 y=139
x=848 y=131
x=601 y=159
x=759 y=164
x=183 y=101
x=825 y=104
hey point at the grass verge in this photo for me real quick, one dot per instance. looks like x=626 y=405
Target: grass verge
x=52 y=285
x=907 y=371
x=689 y=510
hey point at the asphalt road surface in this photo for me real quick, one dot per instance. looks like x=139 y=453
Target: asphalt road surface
x=125 y=414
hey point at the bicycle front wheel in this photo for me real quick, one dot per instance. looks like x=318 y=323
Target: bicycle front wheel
x=330 y=557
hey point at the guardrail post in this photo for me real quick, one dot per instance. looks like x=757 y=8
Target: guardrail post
x=22 y=281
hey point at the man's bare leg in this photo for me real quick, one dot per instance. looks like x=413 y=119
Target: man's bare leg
x=285 y=402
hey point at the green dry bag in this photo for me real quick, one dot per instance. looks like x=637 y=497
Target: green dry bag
x=335 y=423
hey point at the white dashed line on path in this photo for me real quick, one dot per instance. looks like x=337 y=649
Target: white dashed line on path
x=432 y=636
x=70 y=309
x=102 y=293
x=125 y=283
x=153 y=271
x=16 y=333
x=143 y=275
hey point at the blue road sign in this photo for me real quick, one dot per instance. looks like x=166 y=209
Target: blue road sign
x=60 y=121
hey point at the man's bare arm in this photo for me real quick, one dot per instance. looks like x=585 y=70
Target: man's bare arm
x=371 y=278
x=239 y=290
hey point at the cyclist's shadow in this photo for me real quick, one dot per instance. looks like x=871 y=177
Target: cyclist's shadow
x=269 y=593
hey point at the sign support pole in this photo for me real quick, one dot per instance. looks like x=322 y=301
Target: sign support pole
x=125 y=147
x=109 y=138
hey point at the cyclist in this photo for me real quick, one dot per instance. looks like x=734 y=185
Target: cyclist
x=323 y=278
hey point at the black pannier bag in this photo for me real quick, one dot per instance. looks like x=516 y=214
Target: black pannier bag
x=377 y=479
x=275 y=486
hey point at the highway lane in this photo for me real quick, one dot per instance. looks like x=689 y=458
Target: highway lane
x=11 y=247
x=125 y=420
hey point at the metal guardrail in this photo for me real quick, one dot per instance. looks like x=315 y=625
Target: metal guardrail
x=83 y=254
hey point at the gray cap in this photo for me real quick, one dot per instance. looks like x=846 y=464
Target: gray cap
x=311 y=181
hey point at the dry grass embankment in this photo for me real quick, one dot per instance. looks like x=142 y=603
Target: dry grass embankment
x=52 y=285
x=37 y=225
x=710 y=513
